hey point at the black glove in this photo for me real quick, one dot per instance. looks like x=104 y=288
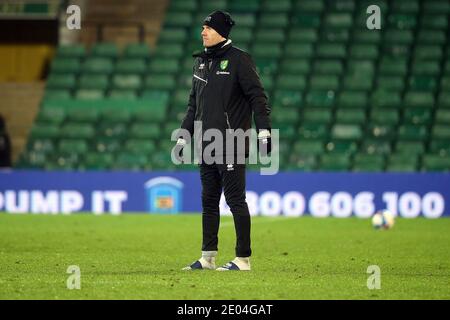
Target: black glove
x=264 y=142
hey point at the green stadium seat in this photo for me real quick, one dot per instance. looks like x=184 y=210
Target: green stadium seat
x=409 y=147
x=313 y=131
x=306 y=20
x=98 y=65
x=266 y=50
x=291 y=82
x=71 y=51
x=434 y=21
x=123 y=94
x=328 y=67
x=302 y=162
x=431 y=68
x=88 y=115
x=412 y=132
x=444 y=100
x=116 y=115
x=405 y=6
x=320 y=99
x=272 y=35
x=245 y=35
x=317 y=115
x=66 y=65
x=445 y=83
x=183 y=5
x=338 y=20
x=440 y=131
x=93 y=81
x=137 y=51
x=279 y=6
x=63 y=161
x=130 y=161
x=160 y=82
x=273 y=20
x=173 y=35
x=419 y=99
x=441 y=147
x=436 y=6
x=73 y=145
x=107 y=145
x=40 y=145
x=402 y=163
x=97 y=161
x=365 y=36
x=341 y=147
x=244 y=20
x=334 y=162
x=385 y=116
x=364 y=51
x=161 y=160
x=346 y=132
x=331 y=51
x=332 y=35
x=432 y=162
x=390 y=83
x=45 y=131
x=113 y=129
x=143 y=146
x=417 y=116
x=402 y=21
x=428 y=52
x=287 y=115
x=134 y=66
x=178 y=19
x=89 y=94
x=164 y=65
x=358 y=82
x=368 y=163
x=380 y=131
x=250 y=6
x=393 y=66
x=311 y=147
x=374 y=146
x=302 y=35
x=209 y=6
x=442 y=116
x=351 y=116
x=287 y=98
x=295 y=66
x=108 y=50
x=57 y=94
x=169 y=50
x=77 y=131
x=51 y=115
x=127 y=81
x=385 y=99
x=352 y=99
x=61 y=81
x=144 y=131
x=324 y=82
x=309 y=6
x=265 y=66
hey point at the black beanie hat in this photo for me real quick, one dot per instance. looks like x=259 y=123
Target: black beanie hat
x=220 y=21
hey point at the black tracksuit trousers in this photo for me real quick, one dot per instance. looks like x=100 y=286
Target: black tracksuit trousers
x=214 y=177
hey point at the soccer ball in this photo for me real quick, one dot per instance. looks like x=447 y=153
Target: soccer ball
x=383 y=220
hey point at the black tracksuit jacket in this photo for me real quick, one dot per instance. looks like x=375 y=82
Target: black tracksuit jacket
x=226 y=91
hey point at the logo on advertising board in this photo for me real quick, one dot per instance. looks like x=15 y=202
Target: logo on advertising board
x=164 y=195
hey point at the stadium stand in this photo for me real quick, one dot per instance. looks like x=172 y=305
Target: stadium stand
x=344 y=97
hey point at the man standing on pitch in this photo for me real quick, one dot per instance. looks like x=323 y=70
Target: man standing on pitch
x=226 y=91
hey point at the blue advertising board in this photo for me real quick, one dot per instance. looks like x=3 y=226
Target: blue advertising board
x=286 y=193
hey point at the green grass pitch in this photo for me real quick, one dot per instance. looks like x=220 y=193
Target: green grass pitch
x=140 y=257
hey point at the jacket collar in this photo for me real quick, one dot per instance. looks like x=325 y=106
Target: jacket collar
x=215 y=51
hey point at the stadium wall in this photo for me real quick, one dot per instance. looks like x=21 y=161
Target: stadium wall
x=407 y=195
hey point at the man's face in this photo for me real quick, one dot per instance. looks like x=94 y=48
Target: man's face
x=210 y=37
